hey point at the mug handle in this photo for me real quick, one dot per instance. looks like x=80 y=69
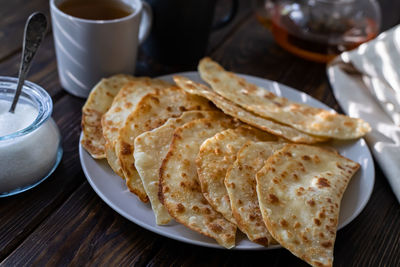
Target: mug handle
x=146 y=22
x=228 y=17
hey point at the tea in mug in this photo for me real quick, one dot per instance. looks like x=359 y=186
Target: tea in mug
x=96 y=9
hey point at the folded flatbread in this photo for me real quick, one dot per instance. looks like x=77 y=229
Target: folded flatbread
x=180 y=189
x=299 y=191
x=314 y=121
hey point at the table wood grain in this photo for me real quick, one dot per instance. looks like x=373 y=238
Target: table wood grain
x=63 y=222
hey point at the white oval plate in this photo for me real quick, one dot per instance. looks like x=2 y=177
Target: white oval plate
x=112 y=189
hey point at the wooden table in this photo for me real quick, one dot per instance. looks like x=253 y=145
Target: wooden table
x=64 y=222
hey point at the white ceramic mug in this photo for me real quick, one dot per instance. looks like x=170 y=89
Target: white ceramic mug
x=88 y=50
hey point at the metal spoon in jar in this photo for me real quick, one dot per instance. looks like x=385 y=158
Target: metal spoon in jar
x=35 y=29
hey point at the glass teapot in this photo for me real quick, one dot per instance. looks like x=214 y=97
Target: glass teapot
x=319 y=30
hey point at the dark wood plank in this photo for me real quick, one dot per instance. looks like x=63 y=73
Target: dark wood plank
x=85 y=231
x=253 y=51
x=13 y=15
x=217 y=37
x=199 y=256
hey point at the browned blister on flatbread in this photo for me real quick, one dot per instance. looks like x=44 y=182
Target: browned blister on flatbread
x=234 y=110
x=180 y=190
x=151 y=111
x=123 y=104
x=240 y=182
x=150 y=150
x=98 y=103
x=311 y=120
x=216 y=155
x=299 y=191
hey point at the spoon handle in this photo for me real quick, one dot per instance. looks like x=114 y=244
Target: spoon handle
x=35 y=29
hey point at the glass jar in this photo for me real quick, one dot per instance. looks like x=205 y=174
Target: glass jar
x=29 y=155
x=319 y=30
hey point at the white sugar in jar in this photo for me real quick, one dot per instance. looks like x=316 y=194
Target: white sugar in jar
x=30 y=142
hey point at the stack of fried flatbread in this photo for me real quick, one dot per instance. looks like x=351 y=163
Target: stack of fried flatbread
x=226 y=157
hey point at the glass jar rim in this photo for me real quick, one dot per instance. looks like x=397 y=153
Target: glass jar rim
x=35 y=94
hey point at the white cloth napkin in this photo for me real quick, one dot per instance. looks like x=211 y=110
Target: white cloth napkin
x=366 y=83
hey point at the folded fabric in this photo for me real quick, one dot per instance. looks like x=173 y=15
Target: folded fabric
x=366 y=83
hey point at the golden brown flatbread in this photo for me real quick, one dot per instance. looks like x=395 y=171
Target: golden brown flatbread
x=216 y=155
x=98 y=103
x=150 y=150
x=233 y=110
x=151 y=112
x=314 y=121
x=299 y=191
x=123 y=104
x=240 y=182
x=180 y=189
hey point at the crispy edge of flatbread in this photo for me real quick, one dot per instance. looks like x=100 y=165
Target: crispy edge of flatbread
x=152 y=111
x=216 y=155
x=150 y=150
x=98 y=103
x=303 y=117
x=178 y=195
x=235 y=111
x=240 y=182
x=123 y=104
x=283 y=194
